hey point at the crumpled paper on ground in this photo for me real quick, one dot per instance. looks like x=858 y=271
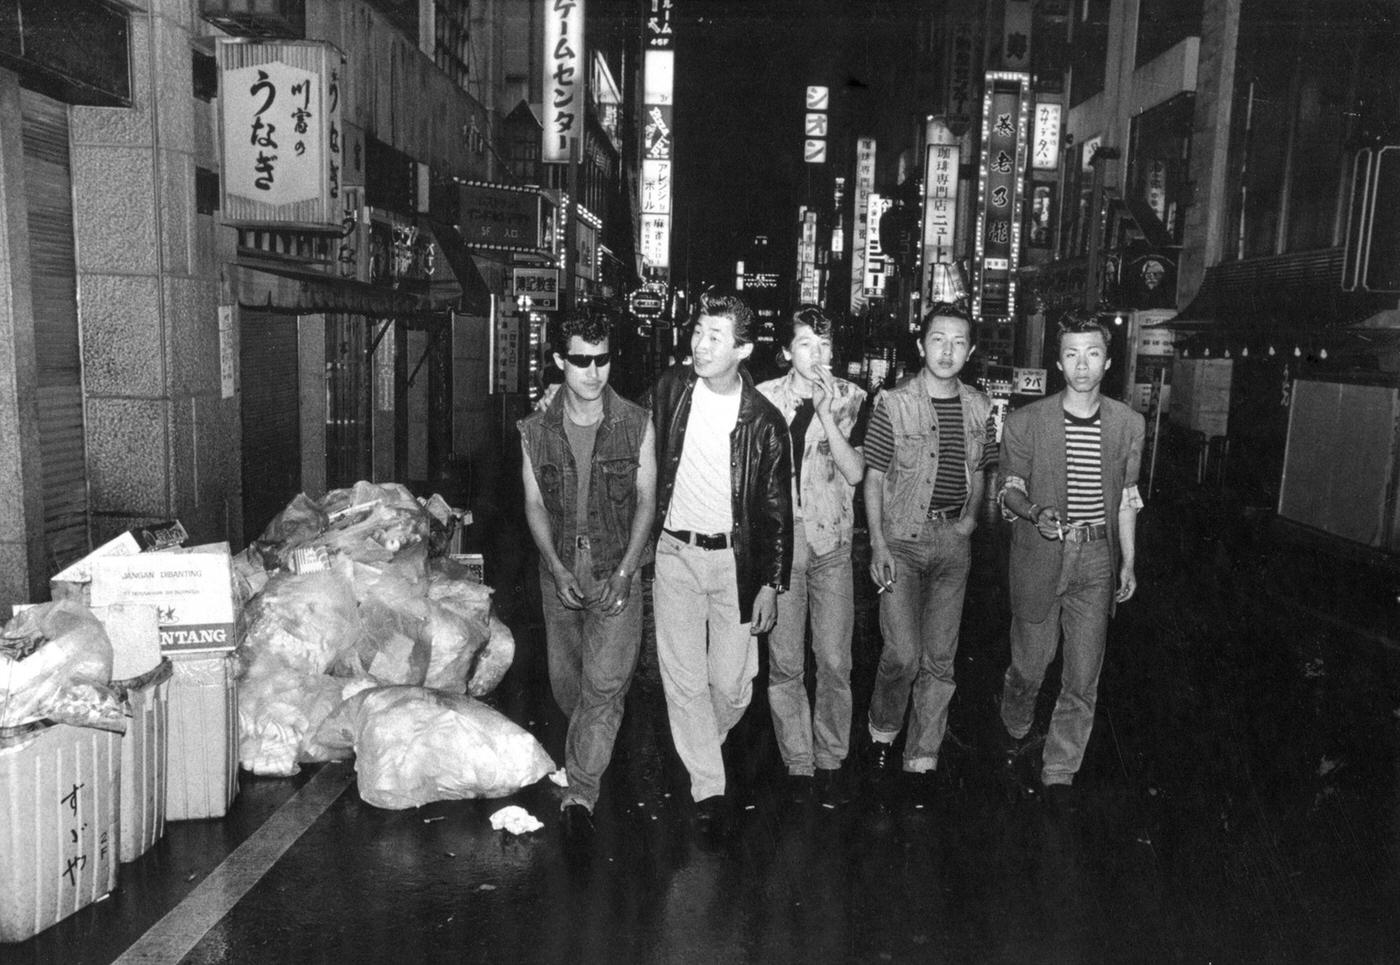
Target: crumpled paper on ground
x=515 y=819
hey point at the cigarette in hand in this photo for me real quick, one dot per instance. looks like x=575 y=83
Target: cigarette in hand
x=883 y=588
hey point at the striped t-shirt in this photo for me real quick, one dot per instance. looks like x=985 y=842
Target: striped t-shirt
x=1084 y=469
x=950 y=482
x=879 y=447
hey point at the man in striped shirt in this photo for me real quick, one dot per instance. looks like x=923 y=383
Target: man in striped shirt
x=1069 y=468
x=927 y=447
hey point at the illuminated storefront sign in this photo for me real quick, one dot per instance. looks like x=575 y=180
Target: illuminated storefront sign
x=1045 y=150
x=941 y=159
x=865 y=184
x=659 y=146
x=280 y=118
x=874 y=281
x=1005 y=117
x=563 y=72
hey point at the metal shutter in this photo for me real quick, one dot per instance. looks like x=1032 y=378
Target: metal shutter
x=271 y=413
x=49 y=195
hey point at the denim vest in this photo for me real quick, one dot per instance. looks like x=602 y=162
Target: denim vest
x=828 y=501
x=612 y=488
x=908 y=483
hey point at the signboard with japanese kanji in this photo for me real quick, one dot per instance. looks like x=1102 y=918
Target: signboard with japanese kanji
x=874 y=282
x=279 y=113
x=865 y=183
x=1045 y=147
x=540 y=285
x=660 y=24
x=1005 y=117
x=563 y=80
x=940 y=215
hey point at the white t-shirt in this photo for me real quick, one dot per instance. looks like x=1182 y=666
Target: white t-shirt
x=700 y=501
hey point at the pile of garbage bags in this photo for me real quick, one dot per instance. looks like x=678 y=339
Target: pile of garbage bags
x=56 y=665
x=360 y=640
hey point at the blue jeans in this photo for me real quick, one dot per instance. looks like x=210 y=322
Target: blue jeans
x=591 y=660
x=1084 y=595
x=707 y=658
x=822 y=586
x=920 y=617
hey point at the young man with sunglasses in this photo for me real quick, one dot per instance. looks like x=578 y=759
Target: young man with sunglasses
x=590 y=495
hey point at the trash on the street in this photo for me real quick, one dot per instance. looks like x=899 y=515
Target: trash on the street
x=515 y=819
x=414 y=745
x=56 y=665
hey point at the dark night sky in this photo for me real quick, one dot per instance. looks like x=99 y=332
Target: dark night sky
x=741 y=73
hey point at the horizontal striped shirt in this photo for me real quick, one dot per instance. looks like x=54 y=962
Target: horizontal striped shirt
x=879 y=447
x=950 y=482
x=1084 y=469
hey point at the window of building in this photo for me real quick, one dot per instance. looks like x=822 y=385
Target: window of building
x=1314 y=81
x=75 y=51
x=1162 y=24
x=1088 y=50
x=452 y=45
x=1158 y=159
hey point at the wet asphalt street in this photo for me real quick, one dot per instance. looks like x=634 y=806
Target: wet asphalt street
x=1238 y=804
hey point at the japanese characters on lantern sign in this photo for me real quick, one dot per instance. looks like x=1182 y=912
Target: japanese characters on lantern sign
x=959 y=81
x=333 y=122
x=563 y=58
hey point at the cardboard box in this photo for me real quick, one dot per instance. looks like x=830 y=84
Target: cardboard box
x=202 y=773
x=135 y=638
x=192 y=592
x=74 y=581
x=59 y=792
x=145 y=760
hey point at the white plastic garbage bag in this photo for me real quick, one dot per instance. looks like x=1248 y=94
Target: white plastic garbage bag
x=280 y=711
x=306 y=620
x=56 y=664
x=414 y=745
x=493 y=661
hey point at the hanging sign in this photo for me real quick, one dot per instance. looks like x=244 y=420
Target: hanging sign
x=563 y=80
x=865 y=183
x=1005 y=116
x=279 y=113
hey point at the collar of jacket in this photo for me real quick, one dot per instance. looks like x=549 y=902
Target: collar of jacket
x=554 y=412
x=748 y=395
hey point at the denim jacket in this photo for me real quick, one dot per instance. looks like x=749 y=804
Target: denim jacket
x=612 y=489
x=908 y=484
x=828 y=501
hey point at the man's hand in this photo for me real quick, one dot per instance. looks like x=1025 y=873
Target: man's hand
x=883 y=569
x=1048 y=522
x=1127 y=583
x=568 y=591
x=765 y=611
x=965 y=525
x=612 y=600
x=823 y=393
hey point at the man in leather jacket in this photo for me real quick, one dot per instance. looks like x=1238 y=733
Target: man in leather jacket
x=724 y=539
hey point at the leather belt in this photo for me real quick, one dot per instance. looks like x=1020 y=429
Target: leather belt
x=1086 y=534
x=946 y=514
x=706 y=541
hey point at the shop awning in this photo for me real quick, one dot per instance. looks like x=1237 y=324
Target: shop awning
x=1297 y=292
x=290 y=291
x=285 y=290
x=473 y=295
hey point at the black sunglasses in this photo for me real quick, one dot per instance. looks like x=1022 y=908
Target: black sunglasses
x=584 y=361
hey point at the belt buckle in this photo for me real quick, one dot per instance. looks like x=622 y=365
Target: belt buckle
x=581 y=542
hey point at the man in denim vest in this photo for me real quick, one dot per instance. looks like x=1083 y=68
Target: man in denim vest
x=930 y=441
x=824 y=422
x=590 y=495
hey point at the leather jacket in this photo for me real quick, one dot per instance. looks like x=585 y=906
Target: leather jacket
x=760 y=477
